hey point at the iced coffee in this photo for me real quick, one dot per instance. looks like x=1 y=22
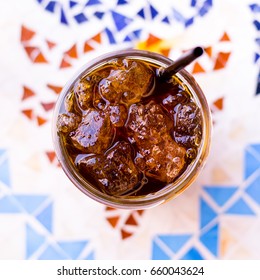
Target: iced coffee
x=124 y=136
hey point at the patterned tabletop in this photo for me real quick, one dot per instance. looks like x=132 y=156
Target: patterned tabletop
x=42 y=215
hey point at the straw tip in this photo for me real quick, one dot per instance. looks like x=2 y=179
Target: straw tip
x=198 y=51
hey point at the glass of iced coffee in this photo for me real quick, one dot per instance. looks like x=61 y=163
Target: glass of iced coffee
x=126 y=138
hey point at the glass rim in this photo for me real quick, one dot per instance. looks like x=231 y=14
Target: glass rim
x=170 y=190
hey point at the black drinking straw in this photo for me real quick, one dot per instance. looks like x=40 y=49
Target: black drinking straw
x=180 y=63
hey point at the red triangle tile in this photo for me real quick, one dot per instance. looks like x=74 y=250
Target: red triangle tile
x=32 y=52
x=51 y=156
x=28 y=113
x=219 y=103
x=41 y=120
x=26 y=34
x=108 y=208
x=125 y=234
x=208 y=51
x=64 y=63
x=131 y=221
x=97 y=38
x=221 y=60
x=197 y=68
x=56 y=89
x=224 y=37
x=165 y=52
x=140 y=212
x=50 y=44
x=113 y=220
x=87 y=47
x=48 y=106
x=27 y=93
x=152 y=40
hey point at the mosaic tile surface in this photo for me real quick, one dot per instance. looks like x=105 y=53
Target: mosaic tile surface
x=43 y=216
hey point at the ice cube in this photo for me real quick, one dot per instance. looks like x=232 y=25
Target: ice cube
x=84 y=89
x=118 y=114
x=94 y=134
x=127 y=84
x=163 y=161
x=114 y=172
x=67 y=122
x=146 y=122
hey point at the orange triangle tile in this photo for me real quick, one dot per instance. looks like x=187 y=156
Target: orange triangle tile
x=41 y=120
x=108 y=208
x=97 y=38
x=50 y=44
x=51 y=156
x=197 y=68
x=208 y=51
x=140 y=212
x=131 y=221
x=152 y=40
x=221 y=60
x=26 y=34
x=87 y=47
x=56 y=89
x=72 y=52
x=219 y=103
x=125 y=234
x=113 y=221
x=224 y=37
x=28 y=113
x=40 y=58
x=165 y=52
x=64 y=63
x=48 y=106
x=27 y=93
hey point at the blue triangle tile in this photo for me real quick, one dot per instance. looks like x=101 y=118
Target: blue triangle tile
x=258 y=85
x=90 y=256
x=34 y=240
x=137 y=33
x=122 y=2
x=73 y=248
x=257 y=56
x=120 y=20
x=73 y=4
x=153 y=12
x=99 y=15
x=141 y=13
x=5 y=173
x=93 y=2
x=203 y=10
x=256 y=148
x=255 y=8
x=193 y=3
x=178 y=16
x=257 y=40
x=30 y=202
x=110 y=36
x=39 y=1
x=209 y=3
x=251 y=164
x=8 y=205
x=207 y=214
x=80 y=18
x=63 y=18
x=166 y=20
x=45 y=217
x=174 y=242
x=220 y=194
x=240 y=207
x=192 y=254
x=189 y=22
x=128 y=39
x=253 y=189
x=158 y=253
x=51 y=6
x=210 y=239
x=256 y=24
x=51 y=253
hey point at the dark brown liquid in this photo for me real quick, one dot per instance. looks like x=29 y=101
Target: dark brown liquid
x=179 y=110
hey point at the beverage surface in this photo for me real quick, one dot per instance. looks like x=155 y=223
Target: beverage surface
x=126 y=134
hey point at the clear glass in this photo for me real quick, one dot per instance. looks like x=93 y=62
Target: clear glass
x=169 y=191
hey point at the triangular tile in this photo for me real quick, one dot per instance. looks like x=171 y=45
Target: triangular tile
x=153 y=12
x=210 y=239
x=51 y=155
x=30 y=203
x=240 y=207
x=73 y=248
x=252 y=163
x=52 y=253
x=224 y=37
x=125 y=234
x=166 y=20
x=174 y=242
x=121 y=21
x=221 y=60
x=54 y=88
x=81 y=18
x=90 y=256
x=64 y=63
x=197 y=68
x=207 y=214
x=137 y=33
x=121 y=2
x=253 y=189
x=97 y=38
x=152 y=40
x=34 y=241
x=8 y=205
x=256 y=149
x=45 y=217
x=220 y=194
x=5 y=172
x=41 y=121
x=158 y=253
x=113 y=221
x=48 y=106
x=219 y=103
x=26 y=34
x=141 y=13
x=28 y=113
x=72 y=52
x=93 y=2
x=40 y=58
x=63 y=18
x=131 y=221
x=110 y=36
x=50 y=7
x=27 y=93
x=99 y=15
x=208 y=51
x=189 y=22
x=192 y=254
x=73 y=3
